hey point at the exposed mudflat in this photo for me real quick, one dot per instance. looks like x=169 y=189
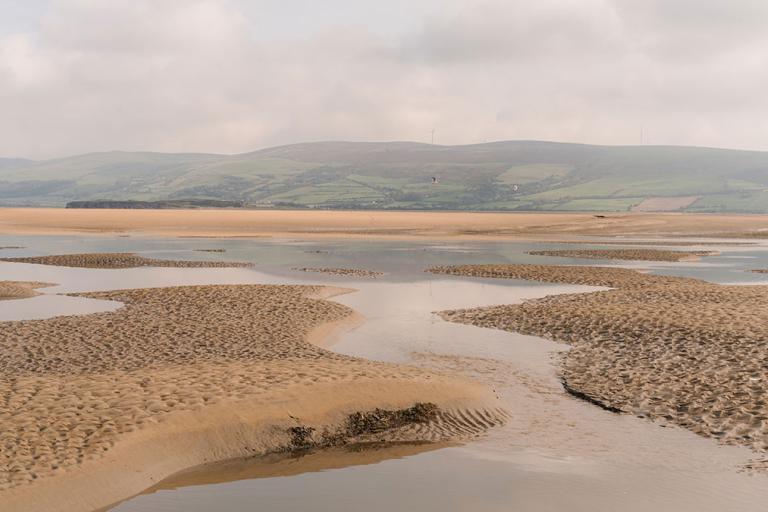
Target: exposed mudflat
x=612 y=277
x=629 y=242
x=73 y=387
x=625 y=254
x=356 y=272
x=669 y=348
x=119 y=260
x=19 y=289
x=245 y=395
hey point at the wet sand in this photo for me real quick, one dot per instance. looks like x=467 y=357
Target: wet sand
x=655 y=242
x=258 y=223
x=119 y=260
x=626 y=254
x=102 y=406
x=611 y=277
x=667 y=348
x=19 y=289
x=558 y=452
x=292 y=464
x=356 y=272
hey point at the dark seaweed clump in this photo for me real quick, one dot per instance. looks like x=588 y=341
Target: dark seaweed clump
x=360 y=424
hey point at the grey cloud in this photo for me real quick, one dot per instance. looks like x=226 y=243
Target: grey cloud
x=199 y=75
x=514 y=30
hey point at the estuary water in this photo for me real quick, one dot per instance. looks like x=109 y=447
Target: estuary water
x=555 y=453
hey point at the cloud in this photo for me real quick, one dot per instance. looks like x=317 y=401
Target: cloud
x=510 y=31
x=223 y=76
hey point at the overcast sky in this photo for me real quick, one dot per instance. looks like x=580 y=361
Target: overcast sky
x=231 y=76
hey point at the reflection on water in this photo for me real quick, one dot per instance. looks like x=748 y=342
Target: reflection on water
x=47 y=306
x=445 y=480
x=402 y=259
x=277 y=465
x=556 y=453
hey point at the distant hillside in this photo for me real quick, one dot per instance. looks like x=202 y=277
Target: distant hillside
x=170 y=204
x=14 y=163
x=514 y=175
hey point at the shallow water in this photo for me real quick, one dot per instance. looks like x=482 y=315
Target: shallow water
x=556 y=453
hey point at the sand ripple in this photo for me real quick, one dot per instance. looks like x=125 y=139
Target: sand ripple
x=613 y=277
x=71 y=387
x=118 y=260
x=626 y=254
x=356 y=272
x=667 y=348
x=19 y=289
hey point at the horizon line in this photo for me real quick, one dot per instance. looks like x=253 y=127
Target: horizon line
x=381 y=142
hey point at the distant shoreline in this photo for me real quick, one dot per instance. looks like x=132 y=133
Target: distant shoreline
x=224 y=223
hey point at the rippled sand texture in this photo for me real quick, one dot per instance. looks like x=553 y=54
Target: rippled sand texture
x=678 y=349
x=356 y=272
x=656 y=242
x=19 y=289
x=71 y=387
x=118 y=260
x=626 y=254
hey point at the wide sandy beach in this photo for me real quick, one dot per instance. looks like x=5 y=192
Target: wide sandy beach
x=315 y=223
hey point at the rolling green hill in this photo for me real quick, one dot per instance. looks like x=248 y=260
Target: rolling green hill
x=513 y=175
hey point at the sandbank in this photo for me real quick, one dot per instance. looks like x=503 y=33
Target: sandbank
x=19 y=289
x=667 y=348
x=626 y=254
x=334 y=271
x=115 y=260
x=323 y=223
x=99 y=407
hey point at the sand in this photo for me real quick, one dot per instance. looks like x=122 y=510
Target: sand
x=19 y=289
x=118 y=260
x=96 y=408
x=314 y=223
x=612 y=277
x=672 y=349
x=356 y=272
x=626 y=254
x=656 y=242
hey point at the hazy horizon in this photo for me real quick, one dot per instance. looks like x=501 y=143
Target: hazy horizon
x=229 y=76
x=393 y=141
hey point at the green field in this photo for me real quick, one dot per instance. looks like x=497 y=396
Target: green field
x=513 y=175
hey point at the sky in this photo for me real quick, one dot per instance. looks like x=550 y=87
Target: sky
x=230 y=76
